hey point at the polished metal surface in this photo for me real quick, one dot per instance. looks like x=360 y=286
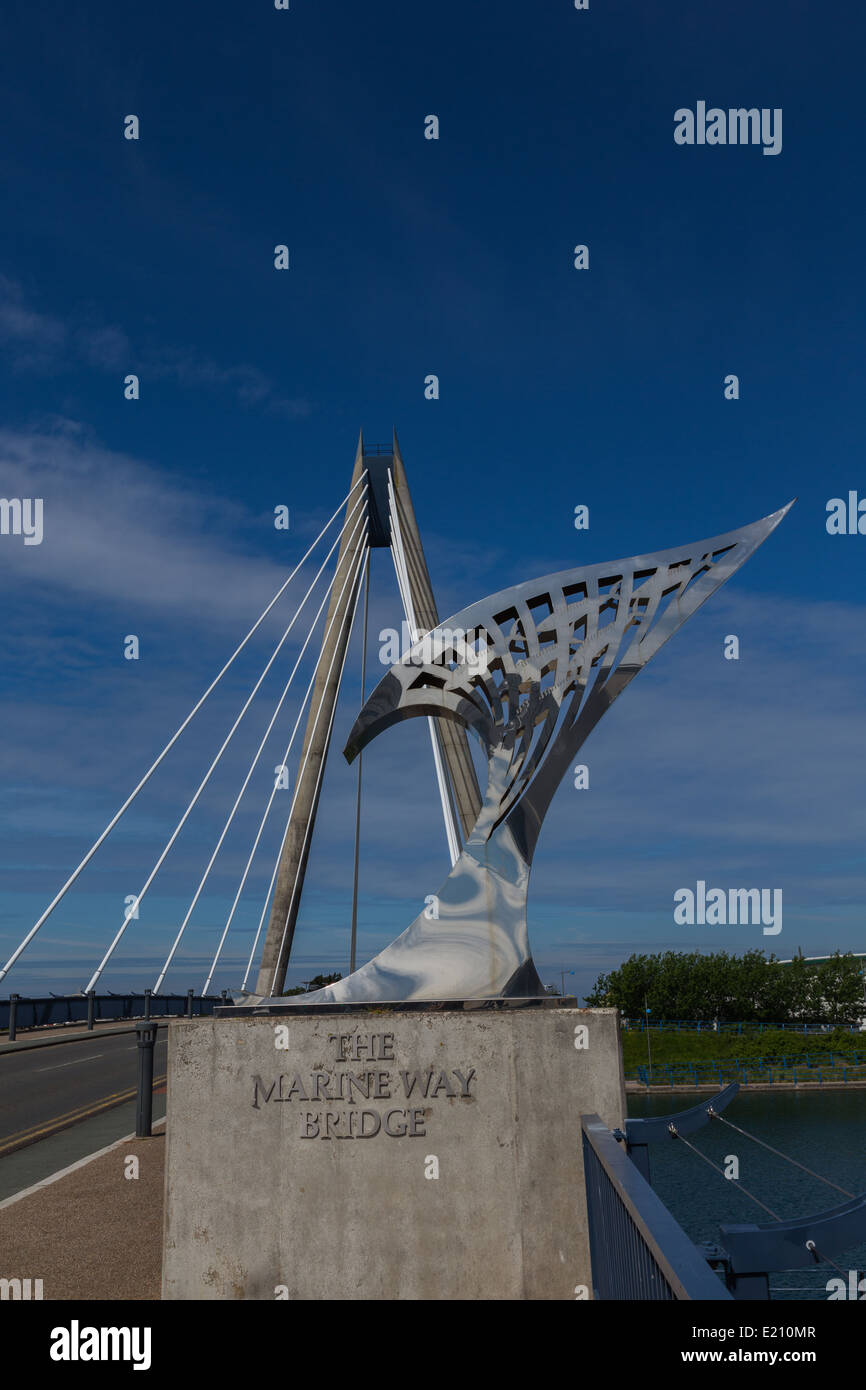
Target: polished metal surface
x=559 y=650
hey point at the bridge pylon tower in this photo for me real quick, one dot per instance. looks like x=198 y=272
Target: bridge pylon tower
x=378 y=467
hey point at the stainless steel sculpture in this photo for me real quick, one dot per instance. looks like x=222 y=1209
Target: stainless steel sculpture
x=559 y=651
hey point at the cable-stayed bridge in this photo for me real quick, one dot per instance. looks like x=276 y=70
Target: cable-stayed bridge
x=376 y=512
x=530 y=670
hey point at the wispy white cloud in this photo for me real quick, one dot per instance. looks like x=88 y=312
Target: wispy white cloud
x=120 y=530
x=37 y=339
x=104 y=346
x=40 y=342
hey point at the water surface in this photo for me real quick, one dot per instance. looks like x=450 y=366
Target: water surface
x=825 y=1130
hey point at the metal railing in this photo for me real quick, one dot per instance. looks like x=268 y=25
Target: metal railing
x=637 y=1249
x=17 y=1014
x=697 y=1025
x=814 y=1068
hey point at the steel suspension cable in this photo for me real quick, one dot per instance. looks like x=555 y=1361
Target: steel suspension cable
x=353 y=940
x=264 y=818
x=810 y=1245
x=745 y=1191
x=262 y=823
x=154 y=871
x=361 y=521
x=321 y=770
x=778 y=1152
x=146 y=778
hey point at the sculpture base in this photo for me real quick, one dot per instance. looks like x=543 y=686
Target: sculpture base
x=278 y=1006
x=400 y=1152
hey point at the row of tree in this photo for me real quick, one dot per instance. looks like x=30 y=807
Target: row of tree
x=748 y=988
x=317 y=982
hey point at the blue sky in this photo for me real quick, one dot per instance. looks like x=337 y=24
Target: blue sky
x=557 y=387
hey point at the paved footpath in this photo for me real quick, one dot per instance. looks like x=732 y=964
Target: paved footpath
x=69 y=1213
x=48 y=1037
x=94 y=1232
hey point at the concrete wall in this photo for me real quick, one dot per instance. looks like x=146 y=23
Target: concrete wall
x=264 y=1191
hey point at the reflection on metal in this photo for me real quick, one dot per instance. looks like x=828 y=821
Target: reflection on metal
x=558 y=652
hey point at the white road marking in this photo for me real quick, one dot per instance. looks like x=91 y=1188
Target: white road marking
x=76 y=1063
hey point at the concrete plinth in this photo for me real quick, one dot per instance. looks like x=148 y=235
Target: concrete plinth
x=432 y=1153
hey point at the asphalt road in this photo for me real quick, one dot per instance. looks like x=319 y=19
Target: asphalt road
x=47 y=1089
